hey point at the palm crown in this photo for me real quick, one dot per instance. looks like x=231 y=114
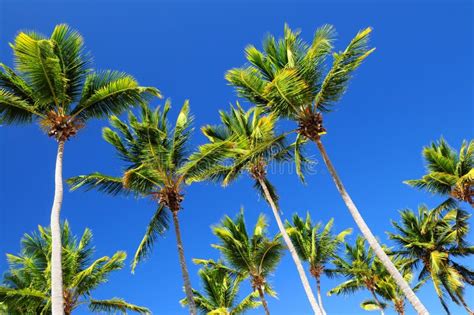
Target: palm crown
x=245 y=141
x=316 y=247
x=359 y=266
x=54 y=84
x=26 y=288
x=448 y=173
x=288 y=77
x=435 y=239
x=251 y=255
x=220 y=289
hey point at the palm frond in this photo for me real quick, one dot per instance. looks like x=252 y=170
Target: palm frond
x=111 y=92
x=74 y=62
x=335 y=83
x=103 y=183
x=158 y=225
x=36 y=59
x=115 y=305
x=15 y=110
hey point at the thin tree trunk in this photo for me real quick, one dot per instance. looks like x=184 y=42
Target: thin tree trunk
x=291 y=248
x=407 y=291
x=184 y=269
x=320 y=300
x=377 y=301
x=399 y=306
x=264 y=301
x=57 y=302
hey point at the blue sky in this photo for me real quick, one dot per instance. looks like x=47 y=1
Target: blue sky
x=416 y=87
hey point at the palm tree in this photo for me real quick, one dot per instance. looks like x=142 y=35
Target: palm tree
x=53 y=84
x=448 y=173
x=220 y=293
x=289 y=79
x=361 y=269
x=246 y=142
x=387 y=289
x=26 y=285
x=154 y=155
x=253 y=256
x=435 y=239
x=316 y=247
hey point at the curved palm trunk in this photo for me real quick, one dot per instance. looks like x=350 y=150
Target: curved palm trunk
x=407 y=291
x=291 y=248
x=184 y=269
x=320 y=300
x=264 y=301
x=376 y=299
x=57 y=303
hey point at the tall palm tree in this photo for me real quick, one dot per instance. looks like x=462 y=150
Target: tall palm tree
x=154 y=156
x=435 y=239
x=54 y=85
x=26 y=285
x=448 y=173
x=220 y=293
x=316 y=247
x=288 y=78
x=253 y=256
x=246 y=142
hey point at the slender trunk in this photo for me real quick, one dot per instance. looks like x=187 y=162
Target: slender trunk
x=376 y=299
x=399 y=306
x=320 y=300
x=291 y=248
x=407 y=291
x=264 y=301
x=57 y=302
x=184 y=269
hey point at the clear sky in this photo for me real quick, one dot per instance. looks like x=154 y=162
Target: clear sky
x=416 y=87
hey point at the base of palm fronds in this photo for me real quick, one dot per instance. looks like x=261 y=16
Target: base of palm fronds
x=311 y=126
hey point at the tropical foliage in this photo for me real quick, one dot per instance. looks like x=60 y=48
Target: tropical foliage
x=364 y=271
x=254 y=256
x=54 y=85
x=154 y=155
x=448 y=173
x=220 y=289
x=316 y=247
x=246 y=142
x=289 y=78
x=433 y=240
x=26 y=285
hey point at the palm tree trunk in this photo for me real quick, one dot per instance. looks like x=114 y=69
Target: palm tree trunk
x=291 y=248
x=377 y=301
x=407 y=291
x=399 y=306
x=184 y=269
x=320 y=300
x=57 y=303
x=264 y=301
